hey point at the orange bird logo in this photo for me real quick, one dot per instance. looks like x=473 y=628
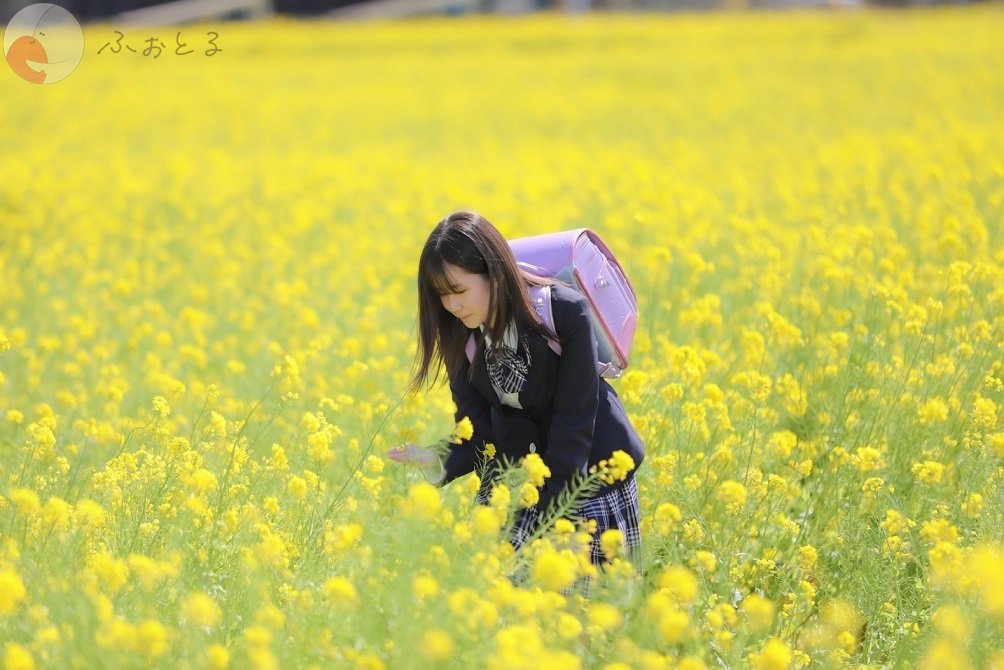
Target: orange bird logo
x=26 y=49
x=43 y=43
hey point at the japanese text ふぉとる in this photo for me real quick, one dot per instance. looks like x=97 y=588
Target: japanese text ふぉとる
x=154 y=47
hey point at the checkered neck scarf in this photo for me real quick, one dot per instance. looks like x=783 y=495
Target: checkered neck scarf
x=508 y=364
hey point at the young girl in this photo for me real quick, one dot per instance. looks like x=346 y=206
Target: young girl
x=518 y=393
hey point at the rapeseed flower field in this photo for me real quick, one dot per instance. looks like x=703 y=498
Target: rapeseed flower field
x=207 y=323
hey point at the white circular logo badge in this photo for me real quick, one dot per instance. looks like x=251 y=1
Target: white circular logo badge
x=43 y=43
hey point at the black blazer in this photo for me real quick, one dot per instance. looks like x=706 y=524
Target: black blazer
x=571 y=416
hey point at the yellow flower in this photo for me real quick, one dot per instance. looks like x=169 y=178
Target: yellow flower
x=112 y=572
x=200 y=610
x=339 y=590
x=807 y=557
x=774 y=655
x=693 y=533
x=288 y=370
x=973 y=506
x=795 y=401
x=672 y=621
x=952 y=622
x=611 y=542
x=342 y=537
x=782 y=443
x=759 y=612
x=57 y=513
x=671 y=392
x=160 y=406
x=667 y=517
x=604 y=617
x=463 y=431
x=731 y=492
x=485 y=521
x=996 y=443
x=691 y=663
x=839 y=615
x=536 y=470
x=500 y=498
x=928 y=472
x=90 y=514
x=17 y=657
x=529 y=495
x=986 y=564
x=373 y=465
x=202 y=480
x=467 y=605
x=939 y=530
x=673 y=624
x=436 y=644
x=944 y=654
x=984 y=414
x=758 y=385
x=25 y=501
x=423 y=501
x=271 y=549
x=616 y=468
x=148 y=571
x=933 y=411
x=12 y=591
x=753 y=345
x=270 y=616
x=257 y=635
x=569 y=627
x=872 y=485
x=297 y=487
x=555 y=570
x=151 y=638
x=564 y=527
x=680 y=583
x=516 y=645
x=425 y=587
x=868 y=459
x=895 y=523
x=705 y=560
x=310 y=422
x=217 y=657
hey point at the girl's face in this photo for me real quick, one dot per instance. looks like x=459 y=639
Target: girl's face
x=469 y=302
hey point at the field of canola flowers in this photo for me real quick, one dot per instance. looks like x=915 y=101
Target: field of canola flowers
x=207 y=323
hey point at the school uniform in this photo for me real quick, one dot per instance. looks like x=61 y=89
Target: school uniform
x=530 y=399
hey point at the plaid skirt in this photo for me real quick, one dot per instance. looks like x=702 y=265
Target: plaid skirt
x=617 y=508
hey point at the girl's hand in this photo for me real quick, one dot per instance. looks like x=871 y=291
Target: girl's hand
x=424 y=458
x=412 y=454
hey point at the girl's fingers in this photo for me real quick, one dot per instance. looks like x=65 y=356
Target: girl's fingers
x=398 y=454
x=409 y=453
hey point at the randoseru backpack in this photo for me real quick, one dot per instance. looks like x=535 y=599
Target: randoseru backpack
x=580 y=258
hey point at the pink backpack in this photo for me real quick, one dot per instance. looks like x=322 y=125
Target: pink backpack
x=580 y=258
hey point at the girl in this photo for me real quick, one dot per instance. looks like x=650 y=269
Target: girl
x=519 y=394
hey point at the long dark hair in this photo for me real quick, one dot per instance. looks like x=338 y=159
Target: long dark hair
x=470 y=242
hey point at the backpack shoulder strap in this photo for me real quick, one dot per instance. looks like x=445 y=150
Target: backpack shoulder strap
x=471 y=348
x=540 y=298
